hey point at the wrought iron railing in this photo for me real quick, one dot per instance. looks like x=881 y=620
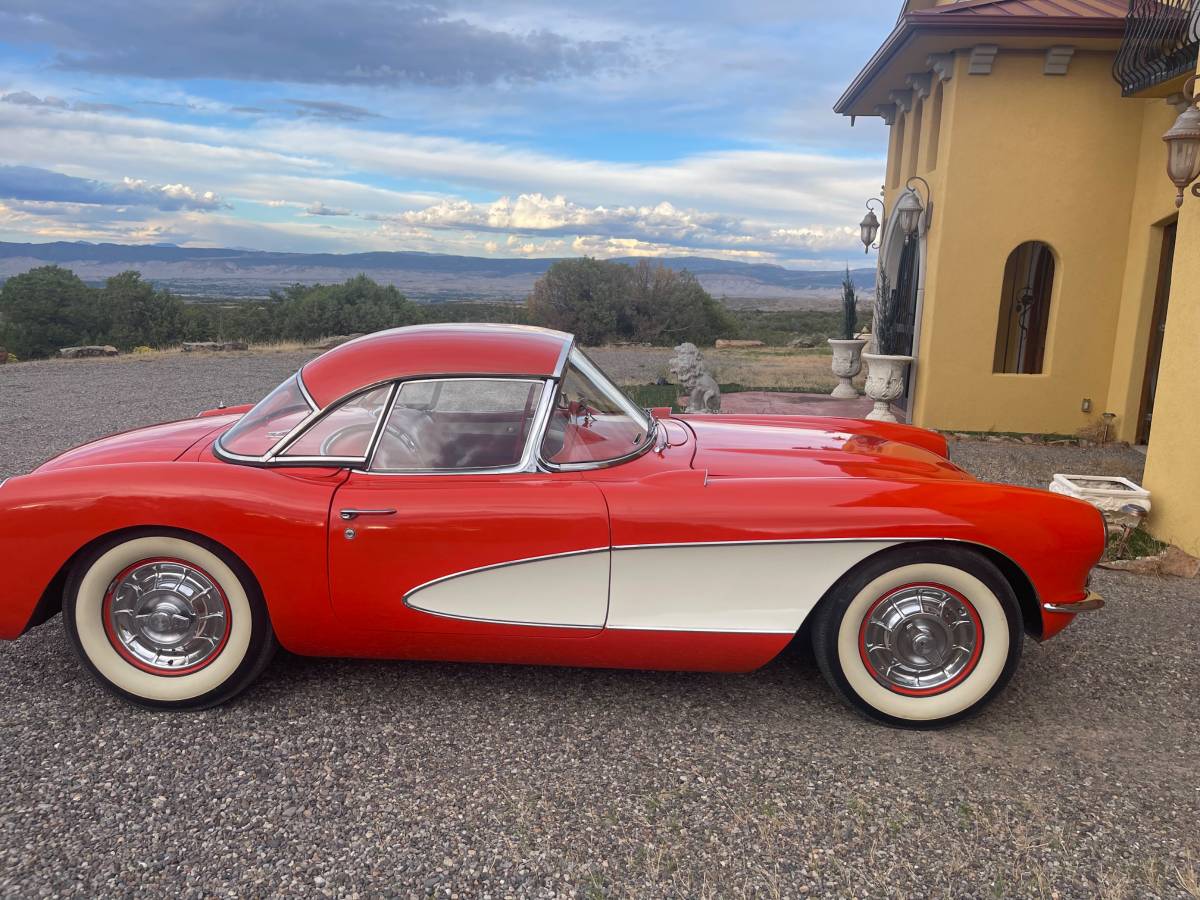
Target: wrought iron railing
x=1161 y=42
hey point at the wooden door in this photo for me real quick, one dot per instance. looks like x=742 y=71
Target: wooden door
x=1158 y=324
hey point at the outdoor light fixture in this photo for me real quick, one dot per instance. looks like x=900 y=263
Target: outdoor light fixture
x=1183 y=146
x=910 y=211
x=869 y=226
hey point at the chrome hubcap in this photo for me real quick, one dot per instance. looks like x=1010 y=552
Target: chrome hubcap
x=921 y=639
x=166 y=616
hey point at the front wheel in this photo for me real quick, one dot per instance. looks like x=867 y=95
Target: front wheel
x=167 y=620
x=919 y=637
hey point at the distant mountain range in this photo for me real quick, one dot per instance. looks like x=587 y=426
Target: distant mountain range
x=213 y=272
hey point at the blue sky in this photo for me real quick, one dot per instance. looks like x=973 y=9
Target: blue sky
x=501 y=129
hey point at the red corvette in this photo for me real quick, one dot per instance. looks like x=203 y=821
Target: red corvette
x=484 y=493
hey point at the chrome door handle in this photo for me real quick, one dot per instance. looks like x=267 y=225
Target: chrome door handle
x=349 y=514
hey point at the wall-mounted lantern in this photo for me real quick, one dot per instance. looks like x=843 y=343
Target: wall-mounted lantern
x=869 y=227
x=1183 y=146
x=911 y=212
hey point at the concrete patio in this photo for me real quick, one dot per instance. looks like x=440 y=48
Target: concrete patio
x=779 y=403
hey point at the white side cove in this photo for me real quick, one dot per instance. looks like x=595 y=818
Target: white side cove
x=568 y=590
x=760 y=587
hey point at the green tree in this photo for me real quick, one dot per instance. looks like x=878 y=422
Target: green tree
x=357 y=305
x=587 y=297
x=133 y=313
x=670 y=306
x=44 y=309
x=601 y=301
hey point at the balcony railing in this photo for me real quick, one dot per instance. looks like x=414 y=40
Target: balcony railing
x=1161 y=42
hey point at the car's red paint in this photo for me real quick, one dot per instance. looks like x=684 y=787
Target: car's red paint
x=158 y=443
x=726 y=479
x=434 y=350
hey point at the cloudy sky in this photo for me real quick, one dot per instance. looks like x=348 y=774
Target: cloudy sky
x=507 y=128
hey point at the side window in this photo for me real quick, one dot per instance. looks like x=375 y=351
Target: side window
x=1024 y=310
x=458 y=424
x=344 y=433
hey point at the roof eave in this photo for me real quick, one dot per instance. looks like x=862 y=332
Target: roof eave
x=917 y=24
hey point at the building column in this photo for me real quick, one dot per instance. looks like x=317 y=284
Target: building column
x=1173 y=458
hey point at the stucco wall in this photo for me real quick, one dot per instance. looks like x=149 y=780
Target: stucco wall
x=1153 y=207
x=1173 y=462
x=1026 y=156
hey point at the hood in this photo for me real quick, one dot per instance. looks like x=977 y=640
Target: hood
x=157 y=443
x=832 y=448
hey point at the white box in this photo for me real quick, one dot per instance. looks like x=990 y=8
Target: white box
x=1108 y=493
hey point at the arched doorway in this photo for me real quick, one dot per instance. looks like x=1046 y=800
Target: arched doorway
x=901 y=260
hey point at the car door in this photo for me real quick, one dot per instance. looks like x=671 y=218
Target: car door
x=424 y=541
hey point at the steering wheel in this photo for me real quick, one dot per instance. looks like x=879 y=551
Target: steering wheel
x=402 y=451
x=402 y=447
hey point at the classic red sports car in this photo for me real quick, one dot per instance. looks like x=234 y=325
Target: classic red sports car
x=484 y=493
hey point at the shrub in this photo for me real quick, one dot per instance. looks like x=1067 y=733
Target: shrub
x=601 y=301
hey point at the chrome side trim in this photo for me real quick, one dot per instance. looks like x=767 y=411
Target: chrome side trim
x=1088 y=604
x=836 y=540
x=692 y=630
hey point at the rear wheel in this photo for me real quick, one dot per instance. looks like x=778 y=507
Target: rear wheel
x=167 y=620
x=919 y=637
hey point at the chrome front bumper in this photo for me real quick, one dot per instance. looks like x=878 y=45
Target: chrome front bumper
x=1089 y=603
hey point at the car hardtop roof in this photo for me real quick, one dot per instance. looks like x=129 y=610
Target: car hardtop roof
x=434 y=350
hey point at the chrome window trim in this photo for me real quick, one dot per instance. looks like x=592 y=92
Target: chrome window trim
x=304 y=389
x=230 y=456
x=276 y=453
x=649 y=423
x=529 y=454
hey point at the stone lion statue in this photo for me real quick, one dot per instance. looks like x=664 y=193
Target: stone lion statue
x=688 y=369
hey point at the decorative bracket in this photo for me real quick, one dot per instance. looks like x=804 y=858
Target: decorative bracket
x=942 y=65
x=1058 y=60
x=887 y=111
x=982 y=57
x=902 y=99
x=921 y=84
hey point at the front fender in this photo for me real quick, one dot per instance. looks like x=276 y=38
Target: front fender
x=1054 y=541
x=273 y=520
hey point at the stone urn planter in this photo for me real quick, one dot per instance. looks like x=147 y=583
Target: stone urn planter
x=885 y=382
x=847 y=362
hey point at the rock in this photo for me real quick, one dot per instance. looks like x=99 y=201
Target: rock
x=234 y=345
x=1143 y=565
x=1172 y=561
x=335 y=341
x=199 y=346
x=83 y=352
x=806 y=341
x=723 y=343
x=1179 y=563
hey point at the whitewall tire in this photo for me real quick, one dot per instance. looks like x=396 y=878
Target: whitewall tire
x=919 y=636
x=167 y=619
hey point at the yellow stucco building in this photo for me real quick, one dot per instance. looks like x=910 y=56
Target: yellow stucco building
x=1053 y=279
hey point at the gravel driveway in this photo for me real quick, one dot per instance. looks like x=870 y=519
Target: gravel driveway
x=374 y=778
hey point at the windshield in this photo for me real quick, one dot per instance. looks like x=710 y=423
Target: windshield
x=592 y=420
x=270 y=421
